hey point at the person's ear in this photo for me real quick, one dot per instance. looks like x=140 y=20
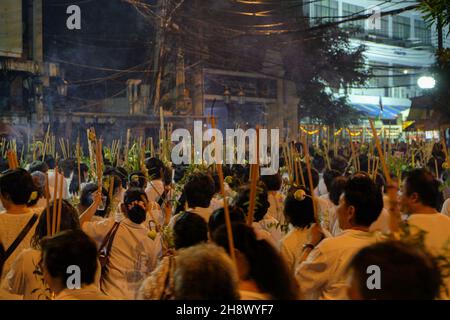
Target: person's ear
x=351 y=215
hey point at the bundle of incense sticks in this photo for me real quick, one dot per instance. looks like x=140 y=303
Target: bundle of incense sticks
x=46 y=142
x=395 y=216
x=57 y=203
x=254 y=175
x=127 y=146
x=99 y=163
x=310 y=180
x=12 y=159
x=225 y=205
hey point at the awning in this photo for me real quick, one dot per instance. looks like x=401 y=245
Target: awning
x=374 y=111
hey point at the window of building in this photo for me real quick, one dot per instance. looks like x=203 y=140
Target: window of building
x=349 y=10
x=401 y=28
x=326 y=10
x=384 y=31
x=422 y=32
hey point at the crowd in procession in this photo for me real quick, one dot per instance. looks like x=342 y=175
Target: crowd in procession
x=162 y=232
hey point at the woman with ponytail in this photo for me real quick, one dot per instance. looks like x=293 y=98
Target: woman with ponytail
x=134 y=252
x=263 y=275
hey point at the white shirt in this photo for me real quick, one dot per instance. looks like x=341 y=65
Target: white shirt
x=272 y=226
x=51 y=184
x=276 y=200
x=291 y=246
x=322 y=275
x=132 y=258
x=25 y=278
x=446 y=208
x=154 y=190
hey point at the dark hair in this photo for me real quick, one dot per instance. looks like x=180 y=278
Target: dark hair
x=117 y=181
x=68 y=248
x=338 y=163
x=318 y=163
x=362 y=193
x=86 y=197
x=74 y=187
x=217 y=218
x=337 y=188
x=67 y=166
x=189 y=229
x=167 y=175
x=422 y=182
x=199 y=190
x=137 y=179
x=407 y=272
x=314 y=175
x=38 y=166
x=272 y=182
x=155 y=168
x=179 y=172
x=262 y=204
x=17 y=186
x=39 y=182
x=135 y=213
x=300 y=213
x=123 y=174
x=328 y=176
x=267 y=268
x=50 y=161
x=69 y=221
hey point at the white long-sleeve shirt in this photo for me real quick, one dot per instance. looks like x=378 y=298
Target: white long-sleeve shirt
x=323 y=274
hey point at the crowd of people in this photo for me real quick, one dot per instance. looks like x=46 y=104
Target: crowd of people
x=161 y=233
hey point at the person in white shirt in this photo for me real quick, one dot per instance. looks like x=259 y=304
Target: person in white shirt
x=17 y=191
x=420 y=192
x=299 y=212
x=198 y=190
x=265 y=226
x=155 y=187
x=25 y=277
x=52 y=175
x=59 y=254
x=446 y=208
x=406 y=273
x=134 y=253
x=321 y=272
x=275 y=197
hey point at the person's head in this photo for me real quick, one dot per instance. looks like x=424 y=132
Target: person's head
x=17 y=188
x=420 y=189
x=360 y=204
x=318 y=163
x=134 y=205
x=123 y=174
x=39 y=182
x=272 y=182
x=336 y=189
x=314 y=175
x=217 y=218
x=69 y=221
x=189 y=229
x=258 y=261
x=137 y=180
x=67 y=166
x=299 y=208
x=112 y=180
x=65 y=250
x=87 y=198
x=328 y=176
x=38 y=166
x=406 y=273
x=155 y=168
x=199 y=190
x=262 y=204
x=50 y=161
x=205 y=272
x=339 y=164
x=74 y=183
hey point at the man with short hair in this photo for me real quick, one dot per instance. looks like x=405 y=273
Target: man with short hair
x=321 y=270
x=420 y=193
